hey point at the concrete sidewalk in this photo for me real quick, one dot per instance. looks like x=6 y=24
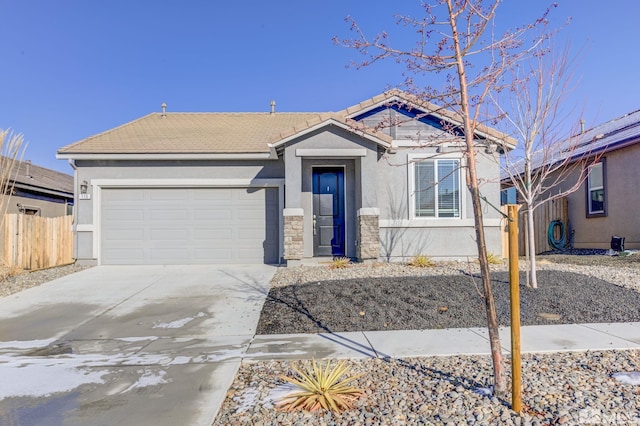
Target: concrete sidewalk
x=447 y=342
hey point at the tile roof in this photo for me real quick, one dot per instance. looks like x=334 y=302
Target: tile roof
x=230 y=133
x=191 y=133
x=30 y=175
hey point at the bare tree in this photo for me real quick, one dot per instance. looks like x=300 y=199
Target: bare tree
x=457 y=38
x=550 y=153
x=11 y=149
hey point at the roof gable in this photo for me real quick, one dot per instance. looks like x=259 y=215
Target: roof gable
x=392 y=119
x=331 y=119
x=420 y=108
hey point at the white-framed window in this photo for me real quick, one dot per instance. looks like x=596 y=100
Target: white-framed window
x=596 y=195
x=436 y=188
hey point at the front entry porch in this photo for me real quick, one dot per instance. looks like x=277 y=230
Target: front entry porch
x=331 y=222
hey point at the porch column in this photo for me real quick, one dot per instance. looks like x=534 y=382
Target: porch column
x=368 y=234
x=293 y=234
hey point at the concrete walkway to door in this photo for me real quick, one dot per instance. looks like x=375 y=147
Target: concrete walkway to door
x=127 y=344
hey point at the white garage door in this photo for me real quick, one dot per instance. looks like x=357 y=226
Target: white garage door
x=189 y=225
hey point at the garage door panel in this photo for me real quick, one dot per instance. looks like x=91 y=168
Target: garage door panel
x=213 y=214
x=214 y=234
x=250 y=215
x=205 y=255
x=169 y=254
x=214 y=194
x=114 y=196
x=189 y=225
x=124 y=254
x=168 y=195
x=168 y=214
x=126 y=235
x=169 y=235
x=123 y=214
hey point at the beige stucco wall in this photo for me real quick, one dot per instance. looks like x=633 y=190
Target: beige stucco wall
x=622 y=192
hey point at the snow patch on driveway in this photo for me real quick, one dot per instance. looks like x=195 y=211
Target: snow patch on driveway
x=179 y=323
x=42 y=376
x=149 y=378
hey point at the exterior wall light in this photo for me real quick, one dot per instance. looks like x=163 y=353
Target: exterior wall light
x=84 y=187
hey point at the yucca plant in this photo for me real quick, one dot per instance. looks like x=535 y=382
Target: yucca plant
x=340 y=262
x=321 y=388
x=493 y=259
x=421 y=261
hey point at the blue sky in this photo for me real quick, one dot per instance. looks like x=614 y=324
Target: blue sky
x=74 y=68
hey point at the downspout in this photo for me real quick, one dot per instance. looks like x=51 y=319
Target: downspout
x=74 y=221
x=273 y=155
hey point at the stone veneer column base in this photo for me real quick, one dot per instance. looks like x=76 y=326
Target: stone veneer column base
x=293 y=235
x=368 y=234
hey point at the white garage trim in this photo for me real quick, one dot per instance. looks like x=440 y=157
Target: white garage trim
x=100 y=184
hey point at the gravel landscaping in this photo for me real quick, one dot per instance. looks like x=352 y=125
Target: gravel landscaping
x=16 y=280
x=591 y=388
x=399 y=297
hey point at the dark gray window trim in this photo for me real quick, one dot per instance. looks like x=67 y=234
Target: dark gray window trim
x=604 y=189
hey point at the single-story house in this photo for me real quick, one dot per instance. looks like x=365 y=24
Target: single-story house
x=39 y=191
x=383 y=179
x=607 y=203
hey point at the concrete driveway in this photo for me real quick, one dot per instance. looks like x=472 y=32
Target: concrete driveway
x=130 y=345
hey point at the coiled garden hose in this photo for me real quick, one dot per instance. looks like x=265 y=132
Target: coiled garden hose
x=561 y=243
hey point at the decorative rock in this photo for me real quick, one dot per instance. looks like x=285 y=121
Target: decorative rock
x=600 y=400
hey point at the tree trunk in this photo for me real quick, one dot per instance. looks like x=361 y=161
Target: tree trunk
x=500 y=381
x=532 y=249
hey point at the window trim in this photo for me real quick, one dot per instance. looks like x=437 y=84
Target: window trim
x=416 y=158
x=588 y=190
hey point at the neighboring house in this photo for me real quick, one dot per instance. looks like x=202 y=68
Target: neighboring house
x=607 y=203
x=39 y=191
x=184 y=188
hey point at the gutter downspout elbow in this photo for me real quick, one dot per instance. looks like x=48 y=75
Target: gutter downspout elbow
x=273 y=155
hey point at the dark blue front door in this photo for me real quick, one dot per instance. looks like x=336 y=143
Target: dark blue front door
x=328 y=211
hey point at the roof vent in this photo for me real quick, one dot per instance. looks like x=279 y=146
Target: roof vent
x=581 y=125
x=164 y=110
x=27 y=172
x=273 y=107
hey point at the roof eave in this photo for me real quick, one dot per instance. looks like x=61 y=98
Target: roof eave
x=40 y=189
x=165 y=156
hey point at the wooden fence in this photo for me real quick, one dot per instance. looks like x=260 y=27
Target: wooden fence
x=33 y=242
x=542 y=217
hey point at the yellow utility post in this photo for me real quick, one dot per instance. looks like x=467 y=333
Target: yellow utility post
x=514 y=281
